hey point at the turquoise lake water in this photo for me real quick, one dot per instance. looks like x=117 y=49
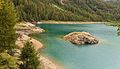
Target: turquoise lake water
x=105 y=55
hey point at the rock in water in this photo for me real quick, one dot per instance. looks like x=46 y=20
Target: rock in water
x=80 y=38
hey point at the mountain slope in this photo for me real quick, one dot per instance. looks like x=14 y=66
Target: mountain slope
x=67 y=10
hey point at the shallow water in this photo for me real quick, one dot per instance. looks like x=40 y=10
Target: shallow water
x=105 y=55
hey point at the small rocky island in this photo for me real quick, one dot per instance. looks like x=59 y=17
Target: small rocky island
x=81 y=38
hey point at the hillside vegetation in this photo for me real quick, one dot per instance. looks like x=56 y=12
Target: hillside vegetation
x=67 y=10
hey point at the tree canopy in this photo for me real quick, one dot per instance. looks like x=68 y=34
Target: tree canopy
x=7 y=22
x=67 y=10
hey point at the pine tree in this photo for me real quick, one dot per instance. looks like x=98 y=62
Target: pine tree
x=7 y=23
x=29 y=57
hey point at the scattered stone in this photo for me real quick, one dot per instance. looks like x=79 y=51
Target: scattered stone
x=81 y=38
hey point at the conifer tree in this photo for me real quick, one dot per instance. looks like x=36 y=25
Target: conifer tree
x=7 y=23
x=29 y=57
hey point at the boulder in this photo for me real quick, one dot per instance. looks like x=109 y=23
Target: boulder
x=81 y=38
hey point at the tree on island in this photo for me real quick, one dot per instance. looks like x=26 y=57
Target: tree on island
x=7 y=22
x=29 y=57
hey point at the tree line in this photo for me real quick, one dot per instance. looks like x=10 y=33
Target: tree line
x=69 y=10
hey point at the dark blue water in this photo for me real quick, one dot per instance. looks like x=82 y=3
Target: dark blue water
x=105 y=55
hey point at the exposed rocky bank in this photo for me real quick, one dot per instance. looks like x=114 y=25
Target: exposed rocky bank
x=69 y=22
x=81 y=38
x=23 y=32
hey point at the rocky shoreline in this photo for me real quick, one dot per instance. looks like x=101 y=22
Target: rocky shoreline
x=23 y=32
x=69 y=22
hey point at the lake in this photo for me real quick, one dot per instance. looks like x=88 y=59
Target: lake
x=105 y=55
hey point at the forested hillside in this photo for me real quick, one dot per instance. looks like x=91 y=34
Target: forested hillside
x=67 y=10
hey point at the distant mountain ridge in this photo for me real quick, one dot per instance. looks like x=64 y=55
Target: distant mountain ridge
x=67 y=10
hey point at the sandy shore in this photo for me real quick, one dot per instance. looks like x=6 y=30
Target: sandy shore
x=69 y=22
